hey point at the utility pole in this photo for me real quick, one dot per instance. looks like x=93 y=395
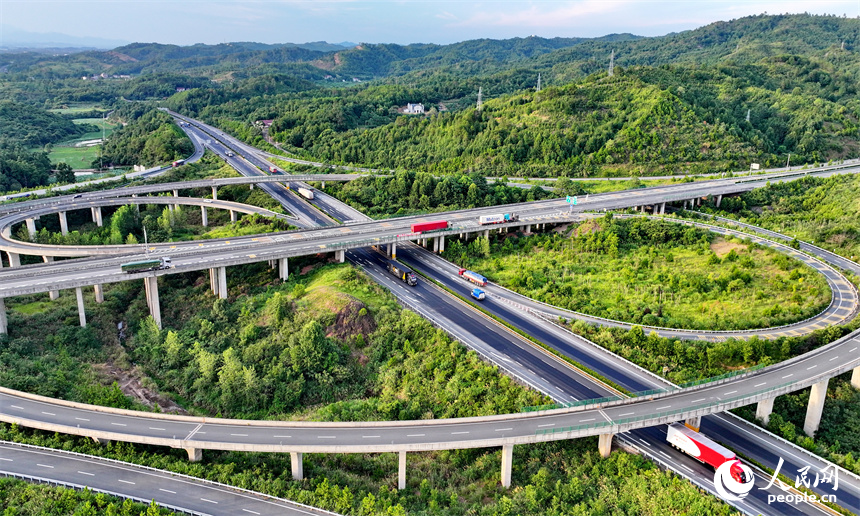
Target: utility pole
x=788 y=161
x=538 y=85
x=612 y=64
x=480 y=95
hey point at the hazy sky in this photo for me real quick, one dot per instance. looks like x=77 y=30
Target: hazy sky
x=405 y=21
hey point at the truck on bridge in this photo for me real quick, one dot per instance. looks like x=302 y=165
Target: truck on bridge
x=499 y=218
x=154 y=264
x=429 y=226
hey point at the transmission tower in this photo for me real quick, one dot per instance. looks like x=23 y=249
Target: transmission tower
x=612 y=64
x=748 y=114
x=538 y=86
x=480 y=94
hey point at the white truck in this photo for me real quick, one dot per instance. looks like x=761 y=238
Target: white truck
x=306 y=193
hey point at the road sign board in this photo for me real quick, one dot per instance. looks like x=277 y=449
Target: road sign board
x=571 y=199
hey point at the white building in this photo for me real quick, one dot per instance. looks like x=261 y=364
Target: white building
x=414 y=109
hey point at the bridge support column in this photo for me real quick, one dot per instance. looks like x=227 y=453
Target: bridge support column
x=251 y=186
x=284 y=268
x=174 y=206
x=393 y=250
x=99 y=440
x=64 y=223
x=322 y=186
x=234 y=216
x=528 y=228
x=719 y=200
x=97 y=215
x=14 y=259
x=82 y=315
x=54 y=294
x=507 y=464
x=214 y=193
x=204 y=216
x=855 y=378
x=694 y=423
x=98 y=290
x=401 y=471
x=31 y=227
x=213 y=282
x=136 y=206
x=4 y=323
x=340 y=256
x=435 y=245
x=222 y=282
x=763 y=409
x=662 y=208
x=487 y=234
x=296 y=465
x=441 y=244
x=194 y=454
x=815 y=408
x=150 y=285
x=605 y=444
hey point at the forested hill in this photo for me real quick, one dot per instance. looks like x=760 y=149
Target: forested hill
x=21 y=124
x=641 y=120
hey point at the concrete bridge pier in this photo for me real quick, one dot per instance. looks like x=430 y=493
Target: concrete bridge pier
x=64 y=223
x=487 y=234
x=855 y=378
x=401 y=471
x=97 y=215
x=251 y=186
x=441 y=244
x=284 y=269
x=150 y=285
x=763 y=410
x=99 y=292
x=662 y=208
x=234 y=216
x=435 y=245
x=204 y=216
x=694 y=423
x=14 y=259
x=194 y=454
x=31 y=227
x=340 y=256
x=392 y=250
x=4 y=323
x=136 y=206
x=322 y=186
x=213 y=281
x=719 y=200
x=214 y=193
x=507 y=464
x=54 y=294
x=815 y=407
x=605 y=444
x=174 y=206
x=528 y=228
x=221 y=280
x=296 y=466
x=82 y=315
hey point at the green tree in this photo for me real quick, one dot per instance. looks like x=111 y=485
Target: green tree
x=65 y=174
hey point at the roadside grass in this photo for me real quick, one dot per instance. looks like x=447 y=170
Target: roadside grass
x=36 y=307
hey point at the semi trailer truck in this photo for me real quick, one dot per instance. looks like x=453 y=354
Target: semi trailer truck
x=154 y=264
x=705 y=450
x=499 y=218
x=429 y=226
x=474 y=277
x=405 y=274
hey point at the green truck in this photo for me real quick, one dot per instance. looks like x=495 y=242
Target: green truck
x=154 y=264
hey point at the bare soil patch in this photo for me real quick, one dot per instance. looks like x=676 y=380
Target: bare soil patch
x=131 y=385
x=721 y=247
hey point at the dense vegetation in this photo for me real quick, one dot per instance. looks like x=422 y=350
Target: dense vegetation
x=18 y=498
x=150 y=138
x=33 y=127
x=360 y=357
x=651 y=272
x=823 y=211
x=20 y=168
x=408 y=192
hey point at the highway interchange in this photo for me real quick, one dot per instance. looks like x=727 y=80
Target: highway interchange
x=564 y=385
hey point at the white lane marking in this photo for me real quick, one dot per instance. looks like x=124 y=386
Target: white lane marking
x=119 y=424
x=82 y=419
x=645 y=442
x=281 y=436
x=167 y=491
x=812 y=367
x=45 y=466
x=626 y=414
x=125 y=481
x=49 y=413
x=239 y=435
x=687 y=468
x=548 y=424
x=696 y=401
x=503 y=429
x=788 y=375
x=832 y=359
x=17 y=407
x=249 y=510
x=326 y=437
x=87 y=474
x=7 y=460
x=415 y=435
x=759 y=384
x=661 y=408
x=852 y=350
x=458 y=433
x=156 y=428
x=585 y=420
x=370 y=436
x=730 y=392
x=208 y=500
x=665 y=454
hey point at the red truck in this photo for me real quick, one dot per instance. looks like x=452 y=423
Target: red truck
x=705 y=450
x=274 y=170
x=429 y=226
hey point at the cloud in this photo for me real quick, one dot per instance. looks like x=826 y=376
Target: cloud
x=536 y=16
x=445 y=15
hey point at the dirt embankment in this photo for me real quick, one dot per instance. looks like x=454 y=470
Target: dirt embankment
x=131 y=385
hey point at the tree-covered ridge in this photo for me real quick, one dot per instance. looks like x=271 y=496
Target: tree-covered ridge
x=22 y=124
x=20 y=168
x=641 y=119
x=150 y=138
